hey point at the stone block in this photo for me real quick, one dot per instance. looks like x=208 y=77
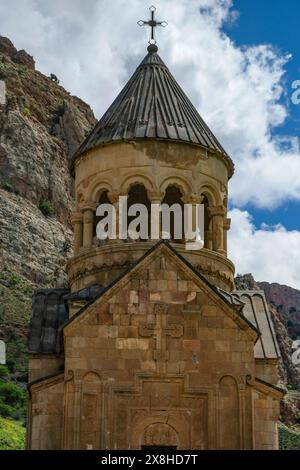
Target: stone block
x=191 y=345
x=170 y=275
x=108 y=331
x=207 y=333
x=182 y=286
x=216 y=322
x=144 y=295
x=222 y=346
x=155 y=296
x=133 y=297
x=209 y=311
x=132 y=343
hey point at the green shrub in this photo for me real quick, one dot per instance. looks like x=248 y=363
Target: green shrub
x=14 y=279
x=12 y=435
x=26 y=112
x=61 y=109
x=11 y=394
x=8 y=187
x=11 y=364
x=6 y=411
x=12 y=401
x=54 y=78
x=289 y=439
x=46 y=207
x=3 y=372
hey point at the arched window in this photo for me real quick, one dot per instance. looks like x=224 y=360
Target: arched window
x=207 y=224
x=103 y=199
x=173 y=199
x=138 y=195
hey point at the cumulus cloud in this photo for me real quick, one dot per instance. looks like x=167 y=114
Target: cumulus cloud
x=269 y=253
x=94 y=46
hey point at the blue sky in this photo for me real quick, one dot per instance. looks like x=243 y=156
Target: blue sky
x=274 y=22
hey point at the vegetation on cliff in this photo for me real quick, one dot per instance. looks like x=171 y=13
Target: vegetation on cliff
x=12 y=435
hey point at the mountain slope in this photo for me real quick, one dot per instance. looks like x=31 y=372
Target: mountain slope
x=41 y=125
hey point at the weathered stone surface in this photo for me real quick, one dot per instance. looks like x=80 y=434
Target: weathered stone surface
x=34 y=166
x=34 y=245
x=162 y=367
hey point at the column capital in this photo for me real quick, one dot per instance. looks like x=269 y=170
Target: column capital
x=76 y=218
x=89 y=206
x=114 y=196
x=215 y=211
x=156 y=196
x=227 y=224
x=192 y=199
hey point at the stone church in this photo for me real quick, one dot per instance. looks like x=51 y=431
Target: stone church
x=152 y=346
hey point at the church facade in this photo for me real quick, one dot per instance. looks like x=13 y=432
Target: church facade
x=152 y=346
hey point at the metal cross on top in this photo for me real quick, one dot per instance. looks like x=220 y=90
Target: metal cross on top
x=153 y=24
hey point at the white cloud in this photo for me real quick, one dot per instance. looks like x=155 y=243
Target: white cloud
x=270 y=253
x=94 y=47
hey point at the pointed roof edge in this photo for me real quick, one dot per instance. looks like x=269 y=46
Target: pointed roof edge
x=237 y=309
x=175 y=117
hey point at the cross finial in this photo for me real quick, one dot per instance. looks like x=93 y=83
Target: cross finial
x=153 y=24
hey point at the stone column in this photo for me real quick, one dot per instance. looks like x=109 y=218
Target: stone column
x=114 y=196
x=218 y=213
x=88 y=225
x=77 y=411
x=227 y=225
x=194 y=200
x=208 y=241
x=156 y=199
x=77 y=222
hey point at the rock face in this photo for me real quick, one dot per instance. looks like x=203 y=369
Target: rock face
x=287 y=302
x=41 y=125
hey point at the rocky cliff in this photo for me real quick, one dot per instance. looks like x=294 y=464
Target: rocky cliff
x=41 y=125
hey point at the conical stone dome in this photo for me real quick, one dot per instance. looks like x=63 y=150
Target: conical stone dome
x=152 y=106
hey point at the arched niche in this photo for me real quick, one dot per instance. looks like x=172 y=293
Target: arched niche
x=97 y=189
x=207 y=223
x=138 y=194
x=90 y=415
x=159 y=436
x=136 y=180
x=103 y=198
x=177 y=182
x=173 y=198
x=212 y=194
x=228 y=414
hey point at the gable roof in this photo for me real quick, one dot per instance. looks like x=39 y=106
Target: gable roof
x=257 y=311
x=48 y=313
x=152 y=106
x=165 y=246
